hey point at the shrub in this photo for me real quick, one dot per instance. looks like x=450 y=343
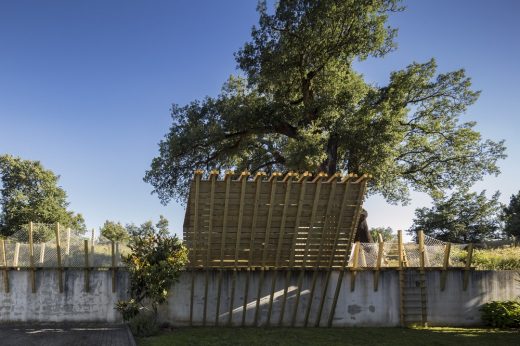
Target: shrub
x=154 y=264
x=143 y=325
x=502 y=314
x=497 y=259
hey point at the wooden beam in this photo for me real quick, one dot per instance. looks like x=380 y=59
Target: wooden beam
x=4 y=264
x=421 y=250
x=196 y=236
x=445 y=264
x=42 y=253
x=16 y=254
x=381 y=246
x=400 y=248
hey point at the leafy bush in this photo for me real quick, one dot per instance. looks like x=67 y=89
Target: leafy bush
x=502 y=314
x=143 y=325
x=154 y=264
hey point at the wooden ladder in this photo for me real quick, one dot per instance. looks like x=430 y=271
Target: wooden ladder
x=413 y=303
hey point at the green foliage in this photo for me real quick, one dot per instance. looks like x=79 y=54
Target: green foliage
x=501 y=314
x=113 y=231
x=302 y=106
x=497 y=259
x=29 y=192
x=386 y=232
x=154 y=264
x=462 y=217
x=148 y=228
x=511 y=216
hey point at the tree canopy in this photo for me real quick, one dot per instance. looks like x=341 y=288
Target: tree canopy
x=511 y=216
x=298 y=104
x=462 y=217
x=113 y=231
x=29 y=192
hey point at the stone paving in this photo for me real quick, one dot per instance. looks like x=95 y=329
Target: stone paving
x=57 y=334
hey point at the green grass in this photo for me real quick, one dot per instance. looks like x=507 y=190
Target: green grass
x=334 y=336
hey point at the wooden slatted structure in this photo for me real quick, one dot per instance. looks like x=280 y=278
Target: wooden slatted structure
x=236 y=221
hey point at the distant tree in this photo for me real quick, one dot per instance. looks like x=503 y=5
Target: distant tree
x=29 y=192
x=147 y=228
x=386 y=232
x=302 y=106
x=462 y=217
x=511 y=217
x=162 y=225
x=113 y=231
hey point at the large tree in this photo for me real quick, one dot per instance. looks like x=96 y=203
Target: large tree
x=29 y=192
x=511 y=217
x=300 y=106
x=462 y=217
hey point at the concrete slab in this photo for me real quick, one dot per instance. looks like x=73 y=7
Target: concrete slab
x=57 y=334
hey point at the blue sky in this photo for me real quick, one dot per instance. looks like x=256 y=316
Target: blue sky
x=86 y=86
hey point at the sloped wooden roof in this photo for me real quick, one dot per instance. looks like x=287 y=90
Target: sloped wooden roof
x=290 y=221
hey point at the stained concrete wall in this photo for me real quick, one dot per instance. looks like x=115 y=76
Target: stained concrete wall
x=362 y=307
x=73 y=305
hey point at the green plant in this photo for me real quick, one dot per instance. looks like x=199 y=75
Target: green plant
x=154 y=264
x=502 y=314
x=143 y=325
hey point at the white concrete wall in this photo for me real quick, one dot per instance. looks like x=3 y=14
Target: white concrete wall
x=74 y=304
x=362 y=307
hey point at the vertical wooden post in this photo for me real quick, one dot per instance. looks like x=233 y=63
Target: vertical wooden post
x=196 y=234
x=42 y=253
x=421 y=250
x=16 y=254
x=87 y=267
x=31 y=258
x=4 y=264
x=58 y=255
x=354 y=267
x=445 y=264
x=113 y=253
x=381 y=246
x=467 y=267
x=67 y=249
x=400 y=247
x=92 y=243
x=213 y=177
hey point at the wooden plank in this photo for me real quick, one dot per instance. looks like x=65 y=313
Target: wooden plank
x=87 y=267
x=31 y=258
x=67 y=247
x=445 y=264
x=4 y=264
x=467 y=267
x=400 y=248
x=193 y=250
x=421 y=250
x=58 y=253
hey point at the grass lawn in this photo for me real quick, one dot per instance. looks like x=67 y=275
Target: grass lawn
x=334 y=336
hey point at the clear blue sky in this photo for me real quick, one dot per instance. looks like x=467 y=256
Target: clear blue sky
x=86 y=86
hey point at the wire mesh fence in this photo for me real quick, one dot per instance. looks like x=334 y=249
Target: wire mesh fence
x=436 y=252
x=50 y=246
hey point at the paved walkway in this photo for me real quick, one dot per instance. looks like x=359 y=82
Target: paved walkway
x=57 y=334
